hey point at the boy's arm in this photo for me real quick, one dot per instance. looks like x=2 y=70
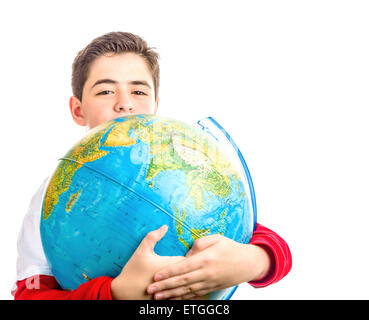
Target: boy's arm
x=215 y=262
x=278 y=251
x=130 y=284
x=41 y=287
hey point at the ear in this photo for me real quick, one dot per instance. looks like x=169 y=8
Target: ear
x=76 y=111
x=156 y=105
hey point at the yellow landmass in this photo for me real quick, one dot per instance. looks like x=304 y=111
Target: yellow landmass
x=158 y=148
x=179 y=221
x=72 y=200
x=184 y=243
x=198 y=233
x=222 y=224
x=86 y=150
x=118 y=136
x=58 y=183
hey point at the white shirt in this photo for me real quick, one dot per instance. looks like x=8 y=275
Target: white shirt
x=31 y=259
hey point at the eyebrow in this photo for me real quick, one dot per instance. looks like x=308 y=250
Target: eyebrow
x=133 y=82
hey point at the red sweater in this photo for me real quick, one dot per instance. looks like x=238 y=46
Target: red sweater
x=41 y=287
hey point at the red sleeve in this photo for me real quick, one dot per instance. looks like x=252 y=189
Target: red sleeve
x=41 y=287
x=278 y=251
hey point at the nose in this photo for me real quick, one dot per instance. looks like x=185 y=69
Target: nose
x=124 y=104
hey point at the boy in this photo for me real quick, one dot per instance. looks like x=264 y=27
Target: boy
x=118 y=75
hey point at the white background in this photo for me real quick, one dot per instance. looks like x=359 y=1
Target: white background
x=288 y=79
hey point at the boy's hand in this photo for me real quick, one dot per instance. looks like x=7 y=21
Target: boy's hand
x=213 y=263
x=139 y=271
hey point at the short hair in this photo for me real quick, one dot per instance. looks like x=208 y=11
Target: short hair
x=113 y=42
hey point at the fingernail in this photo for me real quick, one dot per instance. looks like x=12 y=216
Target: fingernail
x=151 y=290
x=158 y=277
x=159 y=296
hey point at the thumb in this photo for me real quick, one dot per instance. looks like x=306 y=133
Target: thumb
x=202 y=244
x=153 y=237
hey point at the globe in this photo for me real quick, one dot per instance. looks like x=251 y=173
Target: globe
x=130 y=176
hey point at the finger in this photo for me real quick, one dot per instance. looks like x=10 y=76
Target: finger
x=202 y=244
x=190 y=296
x=200 y=294
x=152 y=238
x=198 y=291
x=188 y=290
x=175 y=269
x=176 y=282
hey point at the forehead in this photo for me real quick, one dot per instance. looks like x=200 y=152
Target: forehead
x=119 y=67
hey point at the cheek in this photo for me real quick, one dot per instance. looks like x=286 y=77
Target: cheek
x=146 y=107
x=106 y=116
x=99 y=116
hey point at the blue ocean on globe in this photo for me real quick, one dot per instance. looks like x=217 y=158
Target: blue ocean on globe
x=130 y=176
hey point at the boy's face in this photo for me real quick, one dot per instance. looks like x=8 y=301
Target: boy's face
x=117 y=85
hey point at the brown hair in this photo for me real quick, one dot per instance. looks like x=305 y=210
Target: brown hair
x=113 y=42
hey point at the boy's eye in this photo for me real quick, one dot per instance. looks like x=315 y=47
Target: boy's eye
x=139 y=93
x=105 y=92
